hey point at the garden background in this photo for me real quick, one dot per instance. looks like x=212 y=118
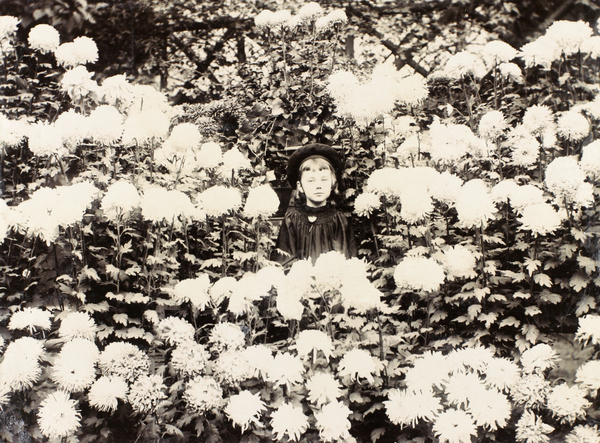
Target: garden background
x=143 y=151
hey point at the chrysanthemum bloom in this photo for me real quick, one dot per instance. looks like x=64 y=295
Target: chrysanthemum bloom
x=244 y=409
x=540 y=219
x=75 y=367
x=366 y=203
x=289 y=421
x=474 y=204
x=125 y=360
x=340 y=86
x=524 y=196
x=105 y=393
x=449 y=142
x=328 y=270
x=116 y=91
x=175 y=330
x=286 y=369
x=145 y=127
x=310 y=11
x=332 y=421
x=233 y=161
x=459 y=262
x=360 y=295
x=323 y=388
x=530 y=391
x=502 y=191
x=454 y=426
x=232 y=368
x=105 y=124
x=80 y=51
x=490 y=409
x=210 y=155
x=591 y=46
x=406 y=408
x=573 y=126
x=146 y=393
x=589 y=329
x=226 y=335
x=567 y=403
x=189 y=358
x=412 y=90
x=260 y=359
x=73 y=127
x=34 y=216
x=461 y=387
x=583 y=434
x=335 y=17
x=219 y=200
x=357 y=364
x=531 y=429
x=385 y=182
x=262 y=201
x=120 y=200
x=539 y=358
x=73 y=202
x=511 y=71
x=184 y=137
x=203 y=394
x=471 y=358
x=45 y=139
x=497 y=51
x=563 y=177
x=58 y=416
x=588 y=376
x=502 y=374
x=416 y=205
x=264 y=18
x=538 y=118
x=289 y=305
x=590 y=159
x=569 y=35
x=43 y=38
x=160 y=204
x=31 y=319
x=464 y=63
x=20 y=368
x=12 y=132
x=310 y=341
x=8 y=26
x=77 y=83
x=77 y=324
x=492 y=125
x=428 y=371
x=419 y=274
x=194 y=290
x=222 y=289
x=540 y=52
x=525 y=148
x=445 y=187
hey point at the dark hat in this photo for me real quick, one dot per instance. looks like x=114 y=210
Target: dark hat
x=301 y=154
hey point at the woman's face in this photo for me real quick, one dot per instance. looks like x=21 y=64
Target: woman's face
x=316 y=181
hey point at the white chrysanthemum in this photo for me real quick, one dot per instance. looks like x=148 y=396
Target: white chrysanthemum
x=73 y=127
x=146 y=126
x=385 y=182
x=311 y=341
x=232 y=368
x=260 y=359
x=564 y=176
x=116 y=91
x=490 y=409
x=471 y=358
x=531 y=429
x=454 y=426
x=497 y=51
x=20 y=368
x=105 y=393
x=77 y=324
x=358 y=364
x=77 y=83
x=45 y=139
x=120 y=200
x=474 y=204
x=219 y=200
x=406 y=408
x=449 y=142
x=289 y=305
x=492 y=125
x=244 y=409
x=289 y=421
x=310 y=11
x=569 y=35
x=175 y=330
x=583 y=434
x=412 y=90
x=80 y=51
x=73 y=201
x=31 y=319
x=429 y=370
x=530 y=391
x=525 y=148
x=540 y=52
x=146 y=393
x=58 y=416
x=264 y=18
x=335 y=17
x=189 y=358
x=12 y=132
x=589 y=329
x=588 y=376
x=43 y=38
x=459 y=262
x=194 y=290
x=539 y=358
x=105 y=124
x=573 y=126
x=463 y=64
x=419 y=274
x=540 y=219
x=524 y=196
x=511 y=71
x=125 y=360
x=74 y=370
x=203 y=394
x=416 y=204
x=234 y=160
x=159 y=204
x=461 y=387
x=323 y=388
x=226 y=336
x=538 y=118
x=567 y=403
x=332 y=422
x=340 y=85
x=8 y=26
x=502 y=374
x=329 y=270
x=262 y=201
x=222 y=289
x=184 y=137
x=590 y=159
x=210 y=155
x=445 y=187
x=360 y=294
x=502 y=191
x=286 y=369
x=591 y=46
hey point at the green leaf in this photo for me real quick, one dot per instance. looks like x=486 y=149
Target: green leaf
x=542 y=280
x=510 y=321
x=587 y=263
x=532 y=310
x=579 y=281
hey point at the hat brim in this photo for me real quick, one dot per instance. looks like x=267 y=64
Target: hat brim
x=301 y=154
